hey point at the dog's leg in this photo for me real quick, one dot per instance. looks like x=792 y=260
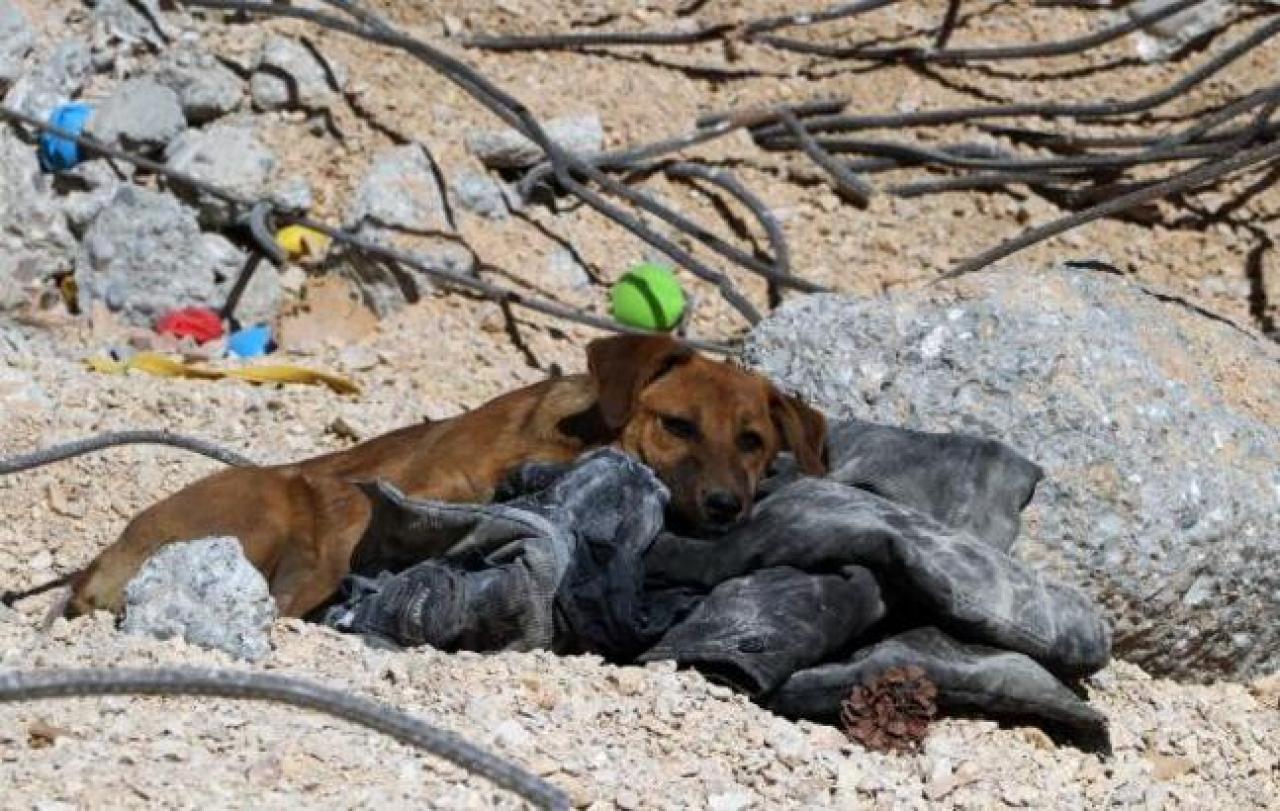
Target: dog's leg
x=312 y=567
x=249 y=504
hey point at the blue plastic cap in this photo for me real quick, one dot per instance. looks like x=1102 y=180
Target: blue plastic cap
x=250 y=342
x=58 y=153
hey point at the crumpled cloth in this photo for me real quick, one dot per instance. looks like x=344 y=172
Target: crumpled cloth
x=898 y=557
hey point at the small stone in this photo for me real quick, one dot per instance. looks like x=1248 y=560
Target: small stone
x=124 y=22
x=730 y=800
x=290 y=75
x=358 y=358
x=35 y=241
x=226 y=156
x=452 y=26
x=41 y=561
x=1019 y=796
x=206 y=593
x=293 y=196
x=98 y=183
x=1164 y=38
x=788 y=742
x=480 y=194
x=61 y=504
x=206 y=88
x=140 y=115
x=508 y=149
x=1037 y=738
x=565 y=269
x=512 y=735
x=346 y=428
x=629 y=680
x=399 y=192
x=581 y=794
x=1165 y=767
x=20 y=392
x=1267 y=690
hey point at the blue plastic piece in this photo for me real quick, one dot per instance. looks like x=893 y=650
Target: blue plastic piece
x=58 y=153
x=250 y=342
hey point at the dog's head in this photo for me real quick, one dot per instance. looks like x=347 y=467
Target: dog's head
x=708 y=429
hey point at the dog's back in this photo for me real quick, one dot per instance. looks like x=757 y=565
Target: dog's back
x=299 y=523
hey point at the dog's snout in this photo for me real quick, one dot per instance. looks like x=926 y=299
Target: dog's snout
x=722 y=506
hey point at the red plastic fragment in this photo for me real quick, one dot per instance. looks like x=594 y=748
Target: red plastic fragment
x=199 y=323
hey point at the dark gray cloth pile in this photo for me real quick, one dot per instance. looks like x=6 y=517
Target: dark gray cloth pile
x=897 y=557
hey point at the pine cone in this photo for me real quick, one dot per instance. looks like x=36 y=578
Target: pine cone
x=892 y=712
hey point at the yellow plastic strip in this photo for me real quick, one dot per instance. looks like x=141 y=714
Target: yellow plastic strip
x=158 y=365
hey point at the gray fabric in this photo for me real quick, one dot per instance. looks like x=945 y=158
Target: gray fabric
x=819 y=525
x=969 y=678
x=754 y=631
x=794 y=606
x=971 y=484
x=496 y=568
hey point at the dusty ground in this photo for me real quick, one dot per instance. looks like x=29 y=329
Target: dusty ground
x=617 y=737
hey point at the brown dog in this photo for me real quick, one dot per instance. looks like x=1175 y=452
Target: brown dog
x=707 y=429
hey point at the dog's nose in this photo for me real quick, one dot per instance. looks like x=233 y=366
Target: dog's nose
x=722 y=507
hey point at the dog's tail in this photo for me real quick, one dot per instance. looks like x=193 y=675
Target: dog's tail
x=9 y=598
x=79 y=447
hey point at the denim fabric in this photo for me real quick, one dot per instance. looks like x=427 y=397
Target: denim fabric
x=808 y=597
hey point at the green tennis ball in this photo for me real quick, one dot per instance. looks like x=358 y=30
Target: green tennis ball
x=648 y=297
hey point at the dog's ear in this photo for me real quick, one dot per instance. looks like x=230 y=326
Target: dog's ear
x=803 y=429
x=622 y=365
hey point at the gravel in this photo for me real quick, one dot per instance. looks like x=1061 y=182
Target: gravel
x=619 y=737
x=1159 y=429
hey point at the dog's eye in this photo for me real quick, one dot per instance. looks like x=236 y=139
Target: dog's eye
x=750 y=442
x=679 y=427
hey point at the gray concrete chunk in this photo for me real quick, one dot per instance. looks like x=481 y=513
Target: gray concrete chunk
x=206 y=88
x=143 y=256
x=16 y=41
x=53 y=81
x=35 y=241
x=205 y=592
x=289 y=75
x=399 y=191
x=508 y=149
x=226 y=156
x=141 y=114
